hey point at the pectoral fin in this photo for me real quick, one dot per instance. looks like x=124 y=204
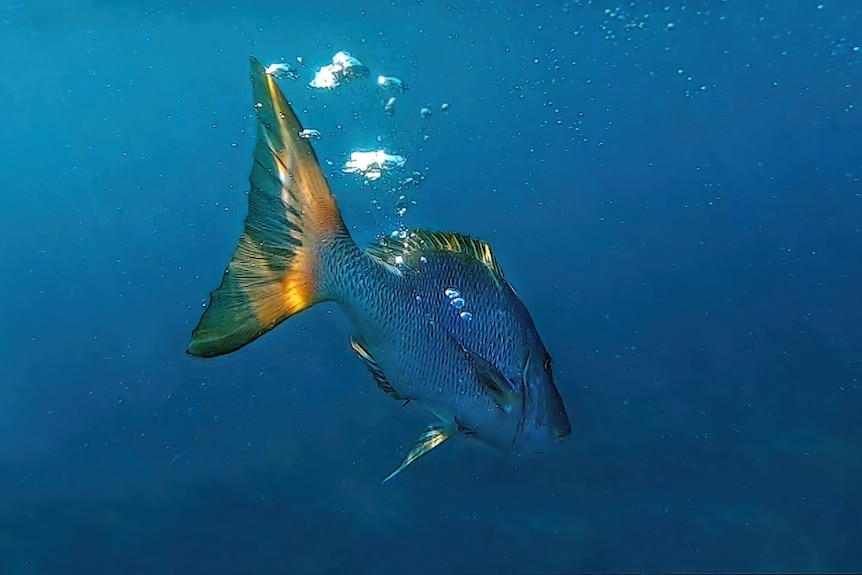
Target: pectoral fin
x=496 y=384
x=430 y=438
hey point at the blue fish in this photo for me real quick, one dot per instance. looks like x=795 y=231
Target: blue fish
x=434 y=319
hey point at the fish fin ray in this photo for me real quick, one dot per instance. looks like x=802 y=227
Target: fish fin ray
x=499 y=387
x=375 y=370
x=418 y=242
x=275 y=268
x=428 y=440
x=496 y=384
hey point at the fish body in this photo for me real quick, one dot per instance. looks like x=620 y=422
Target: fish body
x=434 y=319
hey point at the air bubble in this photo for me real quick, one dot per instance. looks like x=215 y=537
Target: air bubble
x=452 y=293
x=466 y=315
x=457 y=303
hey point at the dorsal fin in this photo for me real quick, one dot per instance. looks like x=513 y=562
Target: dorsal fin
x=405 y=250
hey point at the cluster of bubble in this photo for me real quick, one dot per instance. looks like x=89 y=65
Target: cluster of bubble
x=346 y=68
x=371 y=165
x=624 y=20
x=458 y=303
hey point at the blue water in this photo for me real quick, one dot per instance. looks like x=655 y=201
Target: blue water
x=674 y=189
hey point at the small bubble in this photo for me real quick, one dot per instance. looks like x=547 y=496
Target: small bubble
x=457 y=302
x=452 y=293
x=466 y=315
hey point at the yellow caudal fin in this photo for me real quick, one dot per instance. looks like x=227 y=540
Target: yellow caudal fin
x=274 y=272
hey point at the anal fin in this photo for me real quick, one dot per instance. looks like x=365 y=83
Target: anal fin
x=430 y=438
x=375 y=370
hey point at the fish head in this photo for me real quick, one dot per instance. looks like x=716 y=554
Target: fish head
x=544 y=421
x=522 y=410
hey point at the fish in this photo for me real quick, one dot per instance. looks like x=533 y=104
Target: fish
x=434 y=319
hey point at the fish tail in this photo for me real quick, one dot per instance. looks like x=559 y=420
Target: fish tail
x=276 y=270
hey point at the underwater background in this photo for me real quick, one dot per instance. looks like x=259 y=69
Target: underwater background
x=674 y=189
